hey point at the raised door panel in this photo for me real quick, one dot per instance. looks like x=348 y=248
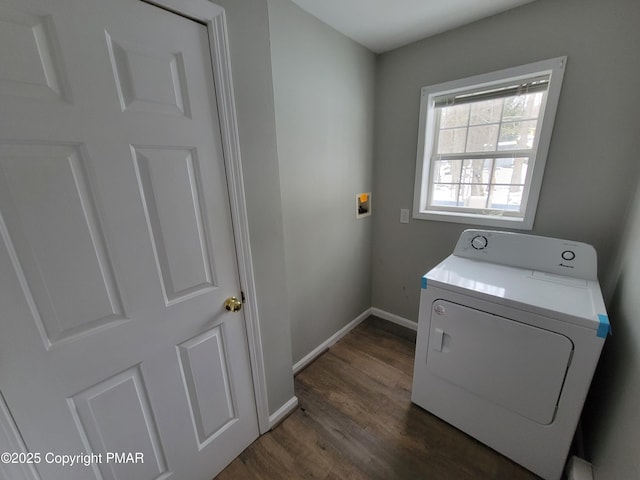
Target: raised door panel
x=56 y=241
x=115 y=417
x=29 y=55
x=11 y=442
x=170 y=187
x=149 y=80
x=206 y=375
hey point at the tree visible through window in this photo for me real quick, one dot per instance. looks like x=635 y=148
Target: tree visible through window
x=481 y=144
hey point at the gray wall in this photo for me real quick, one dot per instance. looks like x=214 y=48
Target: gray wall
x=592 y=163
x=248 y=26
x=612 y=419
x=323 y=85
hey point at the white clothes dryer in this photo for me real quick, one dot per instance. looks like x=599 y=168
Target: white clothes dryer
x=510 y=330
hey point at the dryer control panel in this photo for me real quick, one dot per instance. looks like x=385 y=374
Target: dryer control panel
x=544 y=254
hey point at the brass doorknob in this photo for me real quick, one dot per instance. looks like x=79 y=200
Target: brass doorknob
x=233 y=304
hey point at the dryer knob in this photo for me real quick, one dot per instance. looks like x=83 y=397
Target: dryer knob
x=479 y=242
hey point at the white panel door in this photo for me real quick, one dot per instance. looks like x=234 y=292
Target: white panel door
x=116 y=247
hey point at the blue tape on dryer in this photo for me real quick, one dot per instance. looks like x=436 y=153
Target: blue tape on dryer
x=604 y=328
x=424 y=282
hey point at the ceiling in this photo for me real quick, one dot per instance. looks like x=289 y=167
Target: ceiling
x=382 y=25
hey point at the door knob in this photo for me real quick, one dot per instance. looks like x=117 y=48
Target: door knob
x=232 y=304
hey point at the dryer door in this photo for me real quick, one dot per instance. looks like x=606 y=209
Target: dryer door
x=515 y=365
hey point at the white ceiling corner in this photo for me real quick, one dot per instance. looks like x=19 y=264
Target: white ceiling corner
x=382 y=25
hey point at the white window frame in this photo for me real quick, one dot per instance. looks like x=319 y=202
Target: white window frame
x=427 y=130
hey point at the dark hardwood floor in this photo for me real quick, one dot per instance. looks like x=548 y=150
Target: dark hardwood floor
x=356 y=421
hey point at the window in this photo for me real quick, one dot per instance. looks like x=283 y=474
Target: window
x=483 y=143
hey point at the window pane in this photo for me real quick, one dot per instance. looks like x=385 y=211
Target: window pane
x=515 y=198
x=444 y=195
x=506 y=198
x=457 y=116
x=452 y=140
x=446 y=171
x=476 y=171
x=489 y=111
x=510 y=170
x=474 y=196
x=482 y=138
x=517 y=135
x=522 y=107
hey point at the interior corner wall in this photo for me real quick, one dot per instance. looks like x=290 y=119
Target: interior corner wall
x=611 y=421
x=323 y=86
x=248 y=26
x=592 y=163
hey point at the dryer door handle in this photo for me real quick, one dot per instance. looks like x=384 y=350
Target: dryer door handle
x=438 y=339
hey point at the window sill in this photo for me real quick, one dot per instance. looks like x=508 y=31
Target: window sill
x=473 y=219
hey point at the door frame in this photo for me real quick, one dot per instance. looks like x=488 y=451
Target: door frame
x=214 y=18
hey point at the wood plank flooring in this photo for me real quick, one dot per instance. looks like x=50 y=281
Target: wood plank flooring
x=356 y=421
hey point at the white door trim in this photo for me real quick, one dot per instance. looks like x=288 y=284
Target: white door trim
x=213 y=16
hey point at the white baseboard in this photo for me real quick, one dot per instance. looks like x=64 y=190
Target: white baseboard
x=313 y=354
x=579 y=469
x=403 y=322
x=283 y=411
